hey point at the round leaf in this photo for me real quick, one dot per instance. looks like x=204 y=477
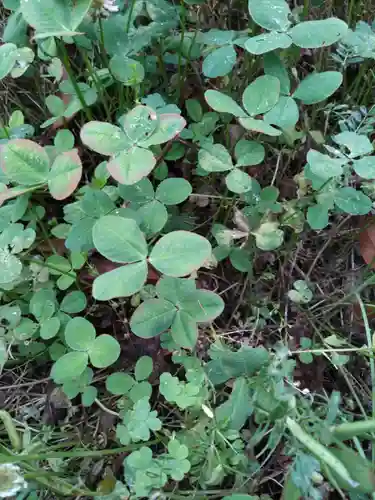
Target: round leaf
x=249 y=153
x=259 y=126
x=203 y=305
x=104 y=351
x=168 y=127
x=219 y=62
x=261 y=95
x=50 y=328
x=139 y=123
x=65 y=175
x=365 y=167
x=223 y=103
x=275 y=67
x=24 y=162
x=71 y=365
x=272 y=15
x=79 y=334
x=238 y=181
x=143 y=368
x=180 y=253
x=173 y=191
x=11 y=266
x=129 y=167
x=8 y=58
x=126 y=70
x=315 y=34
x=89 y=395
x=284 y=114
x=267 y=42
x=318 y=86
x=73 y=302
x=214 y=158
x=104 y=138
x=324 y=166
x=317 y=217
x=353 y=202
x=152 y=318
x=121 y=282
x=119 y=383
x=184 y=330
x=153 y=216
x=141 y=192
x=268 y=236
x=119 y=239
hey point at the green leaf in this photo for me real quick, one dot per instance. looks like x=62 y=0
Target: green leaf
x=70 y=365
x=268 y=236
x=324 y=166
x=143 y=368
x=241 y=260
x=301 y=293
x=272 y=15
x=55 y=17
x=24 y=162
x=249 y=153
x=318 y=86
x=259 y=126
x=140 y=390
x=179 y=253
x=223 y=103
x=285 y=114
x=119 y=383
x=241 y=496
x=214 y=158
x=184 y=330
x=237 y=408
x=176 y=290
x=89 y=395
x=152 y=318
x=365 y=167
x=73 y=302
x=238 y=181
x=126 y=70
x=119 y=239
x=64 y=141
x=261 y=95
x=65 y=174
x=25 y=330
x=173 y=191
x=139 y=124
x=274 y=66
x=317 y=216
x=104 y=138
x=79 y=334
x=153 y=216
x=55 y=105
x=129 y=167
x=351 y=201
x=8 y=58
x=219 y=62
x=169 y=126
x=104 y=351
x=50 y=328
x=203 y=305
x=11 y=266
x=140 y=193
x=358 y=145
x=267 y=42
x=121 y=282
x=315 y=34
x=194 y=109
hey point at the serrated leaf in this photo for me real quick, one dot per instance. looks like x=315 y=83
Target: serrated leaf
x=129 y=167
x=104 y=351
x=214 y=158
x=65 y=174
x=318 y=86
x=126 y=70
x=104 y=138
x=143 y=368
x=267 y=42
x=173 y=191
x=70 y=365
x=285 y=114
x=152 y=318
x=223 y=103
x=121 y=282
x=79 y=334
x=184 y=330
x=238 y=181
x=179 y=253
x=351 y=201
x=321 y=33
x=272 y=15
x=24 y=162
x=119 y=239
x=219 y=62
x=259 y=126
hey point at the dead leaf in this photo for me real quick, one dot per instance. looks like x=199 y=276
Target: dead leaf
x=367 y=245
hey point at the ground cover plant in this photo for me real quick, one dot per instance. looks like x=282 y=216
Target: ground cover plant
x=187 y=249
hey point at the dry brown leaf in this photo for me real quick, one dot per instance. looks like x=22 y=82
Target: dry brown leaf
x=367 y=245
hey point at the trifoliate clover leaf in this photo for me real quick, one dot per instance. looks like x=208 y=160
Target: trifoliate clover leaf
x=268 y=236
x=141 y=420
x=301 y=293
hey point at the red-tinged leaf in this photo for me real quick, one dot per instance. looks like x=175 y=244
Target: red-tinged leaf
x=367 y=245
x=24 y=162
x=129 y=167
x=65 y=175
